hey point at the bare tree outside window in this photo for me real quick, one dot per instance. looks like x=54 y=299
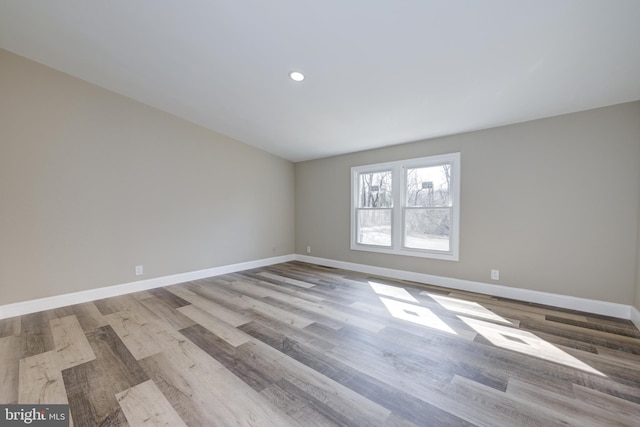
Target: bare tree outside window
x=375 y=190
x=374 y=213
x=427 y=215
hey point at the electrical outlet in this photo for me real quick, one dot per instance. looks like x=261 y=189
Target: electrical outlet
x=139 y=270
x=495 y=274
x=308 y=249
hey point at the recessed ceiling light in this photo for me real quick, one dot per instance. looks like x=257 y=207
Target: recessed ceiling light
x=296 y=76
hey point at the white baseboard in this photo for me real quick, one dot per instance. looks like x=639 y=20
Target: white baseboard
x=635 y=317
x=48 y=303
x=563 y=301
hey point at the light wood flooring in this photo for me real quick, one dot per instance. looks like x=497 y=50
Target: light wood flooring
x=300 y=344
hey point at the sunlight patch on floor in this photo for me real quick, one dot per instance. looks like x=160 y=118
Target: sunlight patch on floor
x=402 y=305
x=470 y=308
x=416 y=314
x=526 y=343
x=392 y=291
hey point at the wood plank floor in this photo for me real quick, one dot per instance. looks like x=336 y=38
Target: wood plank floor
x=300 y=344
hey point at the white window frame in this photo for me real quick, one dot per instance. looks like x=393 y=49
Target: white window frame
x=399 y=177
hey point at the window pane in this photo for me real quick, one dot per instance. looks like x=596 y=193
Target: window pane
x=427 y=229
x=429 y=186
x=374 y=190
x=374 y=227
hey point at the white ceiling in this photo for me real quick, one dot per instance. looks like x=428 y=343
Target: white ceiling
x=377 y=72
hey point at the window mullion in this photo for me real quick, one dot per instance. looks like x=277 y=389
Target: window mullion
x=398 y=204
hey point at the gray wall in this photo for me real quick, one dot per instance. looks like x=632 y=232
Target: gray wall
x=637 y=301
x=552 y=203
x=93 y=183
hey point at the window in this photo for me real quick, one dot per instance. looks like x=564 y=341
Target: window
x=410 y=207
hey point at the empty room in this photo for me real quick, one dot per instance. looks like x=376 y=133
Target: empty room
x=361 y=213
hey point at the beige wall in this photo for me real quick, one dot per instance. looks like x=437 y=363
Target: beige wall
x=552 y=203
x=93 y=183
